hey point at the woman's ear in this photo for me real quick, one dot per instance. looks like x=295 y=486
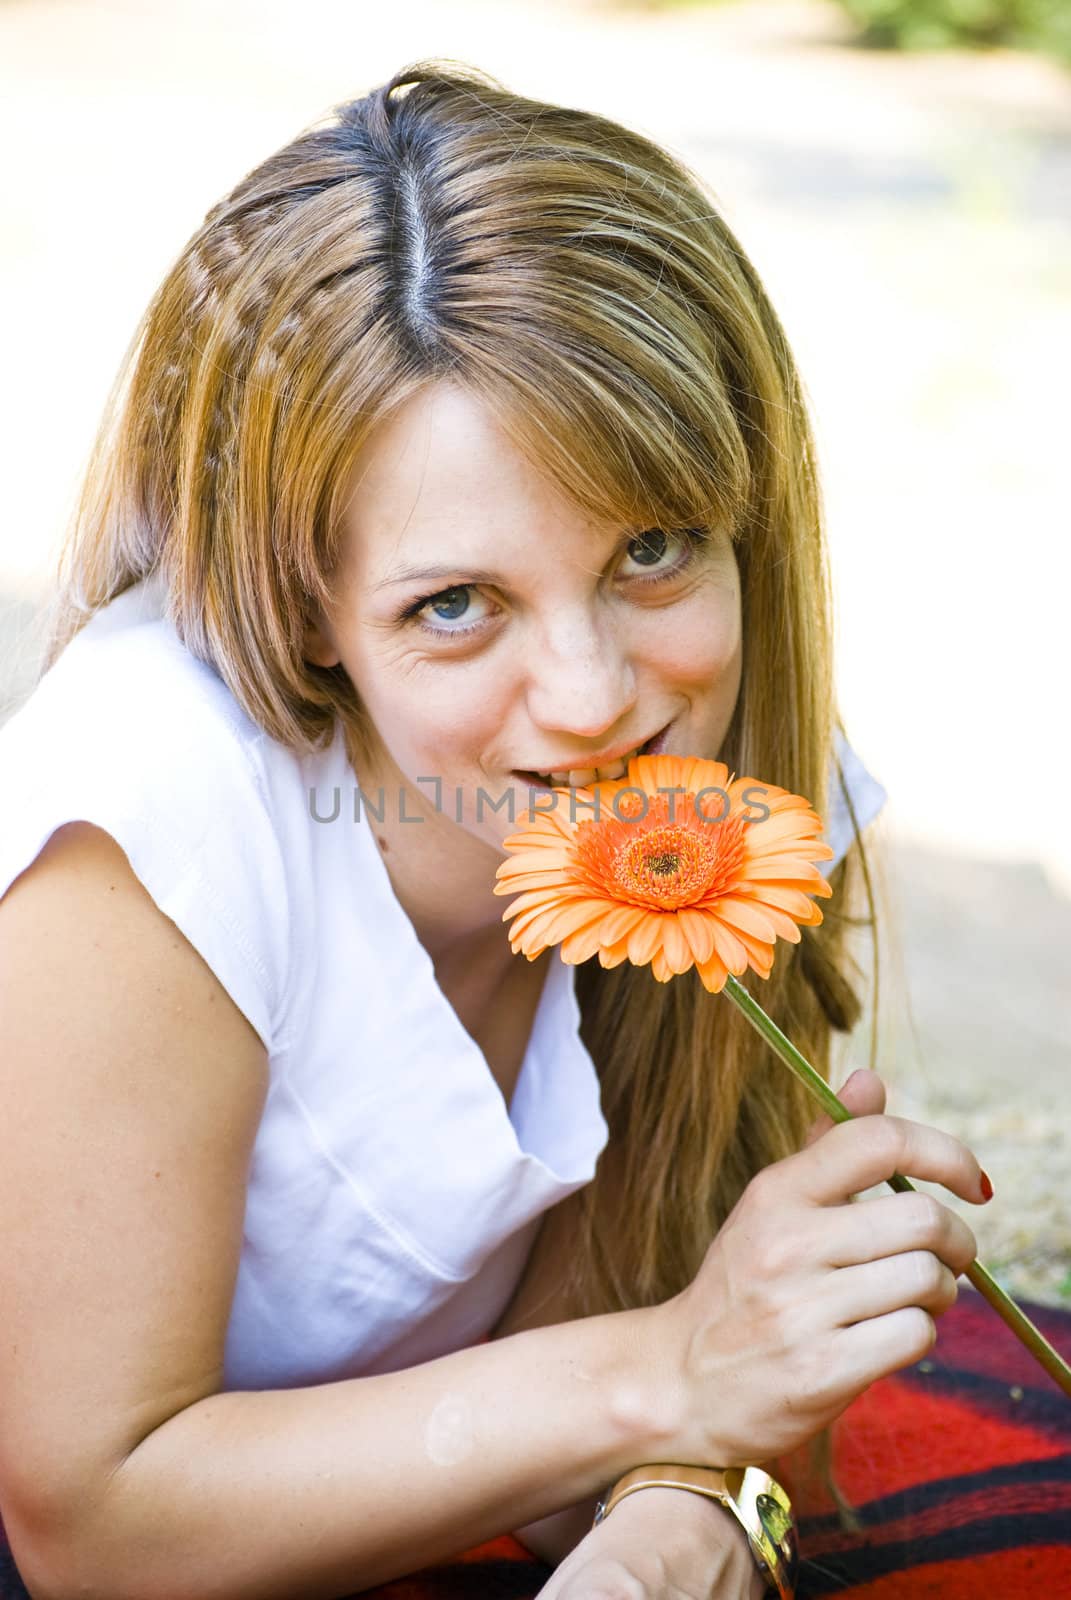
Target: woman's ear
x=319 y=647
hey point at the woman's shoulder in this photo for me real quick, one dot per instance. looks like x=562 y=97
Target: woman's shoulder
x=127 y=704
x=130 y=731
x=127 y=687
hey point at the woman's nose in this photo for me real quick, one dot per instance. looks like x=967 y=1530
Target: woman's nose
x=582 y=683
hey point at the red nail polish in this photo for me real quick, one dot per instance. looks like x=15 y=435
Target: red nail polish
x=987 y=1187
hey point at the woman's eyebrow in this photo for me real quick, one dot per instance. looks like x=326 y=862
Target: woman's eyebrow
x=432 y=574
x=435 y=574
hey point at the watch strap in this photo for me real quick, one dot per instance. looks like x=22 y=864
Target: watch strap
x=665 y=1475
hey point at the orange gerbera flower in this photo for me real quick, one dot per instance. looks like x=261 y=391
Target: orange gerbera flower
x=677 y=864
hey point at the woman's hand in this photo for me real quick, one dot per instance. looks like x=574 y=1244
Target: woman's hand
x=804 y=1297
x=660 y=1544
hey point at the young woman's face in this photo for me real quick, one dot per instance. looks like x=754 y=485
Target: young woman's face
x=495 y=633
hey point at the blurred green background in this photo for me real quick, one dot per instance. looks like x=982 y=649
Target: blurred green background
x=1043 y=25
x=927 y=24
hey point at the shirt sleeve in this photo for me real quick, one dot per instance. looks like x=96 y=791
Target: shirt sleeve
x=867 y=798
x=147 y=751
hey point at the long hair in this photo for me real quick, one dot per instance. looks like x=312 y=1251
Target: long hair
x=582 y=283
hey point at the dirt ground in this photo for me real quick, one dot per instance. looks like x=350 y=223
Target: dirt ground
x=912 y=220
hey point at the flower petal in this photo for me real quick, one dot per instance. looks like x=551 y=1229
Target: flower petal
x=773 y=871
x=697 y=929
x=541 y=825
x=542 y=878
x=620 y=922
x=713 y=974
x=783 y=925
x=756 y=948
x=645 y=939
x=568 y=915
x=675 y=947
x=728 y=947
x=532 y=899
x=583 y=944
x=760 y=956
x=786 y=826
x=747 y=915
x=794 y=901
x=660 y=967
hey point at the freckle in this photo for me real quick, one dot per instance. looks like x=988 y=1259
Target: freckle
x=383 y=845
x=448 y=1437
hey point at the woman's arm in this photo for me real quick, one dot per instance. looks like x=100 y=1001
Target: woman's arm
x=539 y=1302
x=132 y=1090
x=701 y=1540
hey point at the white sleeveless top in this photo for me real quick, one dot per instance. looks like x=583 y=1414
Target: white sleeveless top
x=393 y=1196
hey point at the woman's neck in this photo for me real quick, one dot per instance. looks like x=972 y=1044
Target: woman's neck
x=442 y=876
x=444 y=887
x=443 y=879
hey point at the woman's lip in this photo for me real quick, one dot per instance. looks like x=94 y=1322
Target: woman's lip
x=651 y=747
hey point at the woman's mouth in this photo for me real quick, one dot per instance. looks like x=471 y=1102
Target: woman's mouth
x=583 y=777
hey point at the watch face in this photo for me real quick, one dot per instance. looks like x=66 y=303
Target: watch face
x=777 y=1523
x=775 y=1519
x=766 y=1513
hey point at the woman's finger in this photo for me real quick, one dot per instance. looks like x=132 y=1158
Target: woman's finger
x=863 y=1094
x=892 y=1223
x=856 y=1155
x=916 y=1278
x=879 y=1345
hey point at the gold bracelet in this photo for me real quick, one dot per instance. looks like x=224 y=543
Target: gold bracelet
x=756 y=1500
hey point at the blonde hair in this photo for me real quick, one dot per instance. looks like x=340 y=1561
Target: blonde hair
x=579 y=280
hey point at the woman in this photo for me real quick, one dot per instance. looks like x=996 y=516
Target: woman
x=459 y=453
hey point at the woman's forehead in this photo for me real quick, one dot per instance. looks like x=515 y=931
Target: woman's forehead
x=441 y=475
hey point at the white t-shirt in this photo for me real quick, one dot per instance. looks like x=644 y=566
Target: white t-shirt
x=393 y=1196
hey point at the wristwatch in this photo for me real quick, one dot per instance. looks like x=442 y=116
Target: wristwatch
x=756 y=1500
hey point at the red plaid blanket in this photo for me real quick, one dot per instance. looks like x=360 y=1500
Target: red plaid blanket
x=959 y=1467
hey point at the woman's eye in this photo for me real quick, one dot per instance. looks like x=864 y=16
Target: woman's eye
x=648 y=548
x=453 y=611
x=663 y=554
x=451 y=605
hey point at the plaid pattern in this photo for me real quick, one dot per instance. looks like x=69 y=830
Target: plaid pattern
x=959 y=1469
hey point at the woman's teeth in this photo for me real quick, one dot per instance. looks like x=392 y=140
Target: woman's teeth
x=583 y=777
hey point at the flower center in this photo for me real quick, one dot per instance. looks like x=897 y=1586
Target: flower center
x=653 y=861
x=667 y=866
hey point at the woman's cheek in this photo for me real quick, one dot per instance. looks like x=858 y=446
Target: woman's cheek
x=701 y=659
x=440 y=732
x=699 y=646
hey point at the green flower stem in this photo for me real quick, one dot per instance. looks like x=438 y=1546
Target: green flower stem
x=1005 y=1307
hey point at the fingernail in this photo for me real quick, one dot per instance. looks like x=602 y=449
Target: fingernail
x=987 y=1187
